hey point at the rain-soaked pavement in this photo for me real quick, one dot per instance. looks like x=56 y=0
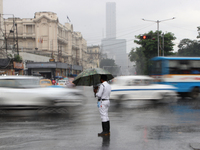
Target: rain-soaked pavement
x=134 y=125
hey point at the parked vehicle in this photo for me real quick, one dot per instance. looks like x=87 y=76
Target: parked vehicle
x=26 y=92
x=140 y=88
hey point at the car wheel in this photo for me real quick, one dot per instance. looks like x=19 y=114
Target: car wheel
x=121 y=97
x=194 y=93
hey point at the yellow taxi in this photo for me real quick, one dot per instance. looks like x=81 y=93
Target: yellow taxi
x=45 y=82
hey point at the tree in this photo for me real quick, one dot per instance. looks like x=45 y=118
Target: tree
x=137 y=55
x=198 y=29
x=18 y=58
x=149 y=49
x=109 y=64
x=151 y=45
x=189 y=47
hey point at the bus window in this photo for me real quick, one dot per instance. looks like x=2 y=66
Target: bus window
x=157 y=67
x=184 y=66
x=195 y=67
x=173 y=67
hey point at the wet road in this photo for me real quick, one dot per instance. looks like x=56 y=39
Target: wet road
x=134 y=125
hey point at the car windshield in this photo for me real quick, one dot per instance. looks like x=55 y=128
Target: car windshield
x=45 y=82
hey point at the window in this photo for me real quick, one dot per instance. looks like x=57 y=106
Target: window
x=29 y=29
x=157 y=67
x=184 y=66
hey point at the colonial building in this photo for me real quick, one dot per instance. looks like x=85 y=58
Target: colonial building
x=44 y=35
x=94 y=56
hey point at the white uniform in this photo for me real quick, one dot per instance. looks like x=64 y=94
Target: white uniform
x=104 y=95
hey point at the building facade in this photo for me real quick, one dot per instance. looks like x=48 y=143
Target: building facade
x=44 y=35
x=94 y=56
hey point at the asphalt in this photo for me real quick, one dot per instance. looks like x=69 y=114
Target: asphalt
x=134 y=125
x=195 y=146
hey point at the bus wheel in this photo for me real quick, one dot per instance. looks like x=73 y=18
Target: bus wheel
x=183 y=95
x=194 y=93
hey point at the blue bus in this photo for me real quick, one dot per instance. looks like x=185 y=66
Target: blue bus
x=181 y=72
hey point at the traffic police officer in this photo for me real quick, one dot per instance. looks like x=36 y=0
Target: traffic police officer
x=103 y=95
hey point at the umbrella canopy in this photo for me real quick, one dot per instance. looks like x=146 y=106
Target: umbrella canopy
x=91 y=77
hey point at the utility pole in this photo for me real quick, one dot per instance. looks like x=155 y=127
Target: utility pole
x=163 y=43
x=158 y=21
x=17 y=40
x=7 y=35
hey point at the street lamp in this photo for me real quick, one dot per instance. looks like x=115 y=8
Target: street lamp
x=158 y=21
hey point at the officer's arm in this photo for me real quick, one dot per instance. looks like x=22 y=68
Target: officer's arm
x=99 y=93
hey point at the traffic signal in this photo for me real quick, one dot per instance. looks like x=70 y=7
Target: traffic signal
x=144 y=37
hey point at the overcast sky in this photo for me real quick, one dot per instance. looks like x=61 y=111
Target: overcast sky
x=88 y=16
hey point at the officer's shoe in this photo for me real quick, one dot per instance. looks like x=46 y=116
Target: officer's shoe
x=104 y=134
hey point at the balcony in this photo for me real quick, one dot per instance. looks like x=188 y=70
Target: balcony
x=27 y=35
x=62 y=40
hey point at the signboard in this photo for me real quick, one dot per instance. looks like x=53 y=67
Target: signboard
x=17 y=65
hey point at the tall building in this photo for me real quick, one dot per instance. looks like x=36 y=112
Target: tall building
x=111 y=20
x=112 y=47
x=43 y=35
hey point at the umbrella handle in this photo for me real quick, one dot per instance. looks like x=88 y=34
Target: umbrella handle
x=95 y=89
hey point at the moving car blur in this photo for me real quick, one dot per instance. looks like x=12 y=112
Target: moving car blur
x=140 y=88
x=26 y=92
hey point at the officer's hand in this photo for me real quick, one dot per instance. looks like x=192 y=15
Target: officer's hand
x=98 y=104
x=95 y=90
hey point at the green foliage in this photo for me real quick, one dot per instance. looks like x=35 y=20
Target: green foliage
x=189 y=47
x=151 y=46
x=138 y=56
x=198 y=29
x=109 y=64
x=149 y=49
x=17 y=58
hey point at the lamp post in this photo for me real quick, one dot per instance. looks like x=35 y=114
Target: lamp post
x=158 y=21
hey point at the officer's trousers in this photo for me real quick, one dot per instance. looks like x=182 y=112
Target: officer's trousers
x=103 y=109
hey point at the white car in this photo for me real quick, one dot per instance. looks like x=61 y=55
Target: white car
x=62 y=83
x=140 y=88
x=25 y=91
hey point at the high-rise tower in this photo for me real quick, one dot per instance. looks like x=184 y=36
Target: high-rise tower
x=110 y=20
x=111 y=46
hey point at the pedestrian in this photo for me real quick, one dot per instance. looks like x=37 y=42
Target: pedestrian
x=103 y=94
x=53 y=81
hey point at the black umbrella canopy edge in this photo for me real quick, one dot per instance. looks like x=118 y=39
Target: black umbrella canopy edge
x=78 y=80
